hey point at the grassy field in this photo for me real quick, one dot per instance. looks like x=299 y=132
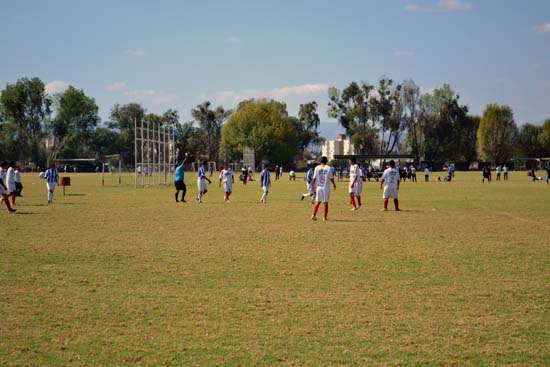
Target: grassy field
x=114 y=276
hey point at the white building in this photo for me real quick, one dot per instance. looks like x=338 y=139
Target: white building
x=340 y=146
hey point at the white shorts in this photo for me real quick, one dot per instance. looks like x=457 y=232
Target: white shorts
x=357 y=188
x=228 y=187
x=390 y=192
x=2 y=191
x=201 y=184
x=265 y=188
x=322 y=195
x=310 y=189
x=51 y=186
x=11 y=187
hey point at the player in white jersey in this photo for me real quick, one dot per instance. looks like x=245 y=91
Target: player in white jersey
x=391 y=179
x=355 y=183
x=228 y=179
x=4 y=187
x=309 y=183
x=322 y=177
x=10 y=182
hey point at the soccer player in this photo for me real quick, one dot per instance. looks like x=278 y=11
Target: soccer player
x=4 y=188
x=18 y=184
x=426 y=174
x=498 y=172
x=323 y=175
x=355 y=184
x=265 y=181
x=505 y=170
x=413 y=173
x=228 y=179
x=52 y=179
x=310 y=187
x=201 y=182
x=390 y=178
x=10 y=182
x=179 y=182
x=486 y=174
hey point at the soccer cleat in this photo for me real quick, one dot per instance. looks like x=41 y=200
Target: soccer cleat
x=397 y=210
x=359 y=207
x=313 y=218
x=325 y=219
x=383 y=210
x=354 y=209
x=302 y=197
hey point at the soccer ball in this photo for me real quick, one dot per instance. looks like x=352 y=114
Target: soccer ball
x=41 y=174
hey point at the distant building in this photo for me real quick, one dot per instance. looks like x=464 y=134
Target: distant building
x=340 y=146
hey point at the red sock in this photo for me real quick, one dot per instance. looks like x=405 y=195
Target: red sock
x=396 y=203
x=315 y=208
x=352 y=200
x=5 y=199
x=385 y=203
x=228 y=195
x=326 y=209
x=359 y=200
x=12 y=199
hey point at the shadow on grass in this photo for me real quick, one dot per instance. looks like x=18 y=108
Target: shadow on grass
x=27 y=213
x=76 y=195
x=72 y=203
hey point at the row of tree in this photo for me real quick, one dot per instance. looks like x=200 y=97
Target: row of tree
x=383 y=119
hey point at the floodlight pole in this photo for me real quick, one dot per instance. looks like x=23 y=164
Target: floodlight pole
x=142 y=167
x=135 y=153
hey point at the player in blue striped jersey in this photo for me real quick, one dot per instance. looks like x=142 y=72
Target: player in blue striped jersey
x=265 y=181
x=201 y=182
x=52 y=179
x=309 y=182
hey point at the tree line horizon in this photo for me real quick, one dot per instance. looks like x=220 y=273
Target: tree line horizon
x=387 y=118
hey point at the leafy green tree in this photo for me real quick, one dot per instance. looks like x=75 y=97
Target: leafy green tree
x=496 y=133
x=211 y=122
x=307 y=124
x=544 y=139
x=189 y=138
x=528 y=143
x=264 y=126
x=77 y=115
x=123 y=118
x=25 y=107
x=350 y=107
x=414 y=122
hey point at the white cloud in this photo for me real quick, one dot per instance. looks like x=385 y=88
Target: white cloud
x=404 y=53
x=135 y=53
x=116 y=86
x=283 y=93
x=155 y=96
x=56 y=86
x=543 y=28
x=232 y=39
x=441 y=6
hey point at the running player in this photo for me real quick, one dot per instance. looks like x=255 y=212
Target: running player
x=228 y=179
x=52 y=179
x=201 y=182
x=390 y=177
x=309 y=182
x=265 y=181
x=10 y=182
x=4 y=188
x=322 y=177
x=355 y=183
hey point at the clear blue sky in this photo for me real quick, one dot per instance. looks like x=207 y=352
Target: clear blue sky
x=175 y=54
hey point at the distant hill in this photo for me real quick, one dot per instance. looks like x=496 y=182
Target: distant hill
x=329 y=130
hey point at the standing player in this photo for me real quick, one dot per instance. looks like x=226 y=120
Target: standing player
x=10 y=182
x=322 y=177
x=355 y=184
x=505 y=170
x=179 y=182
x=201 y=182
x=390 y=177
x=4 y=188
x=52 y=179
x=265 y=181
x=310 y=187
x=228 y=179
x=18 y=184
